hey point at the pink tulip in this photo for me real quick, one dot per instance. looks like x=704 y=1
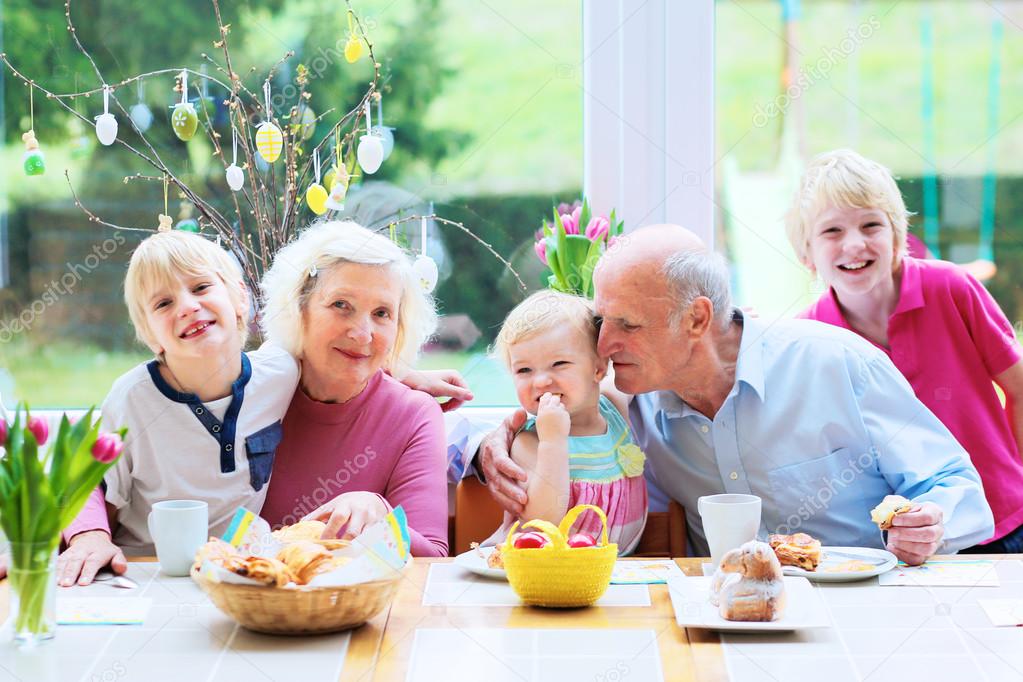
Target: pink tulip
x=3 y=432
x=39 y=428
x=571 y=226
x=107 y=447
x=577 y=215
x=597 y=228
x=541 y=250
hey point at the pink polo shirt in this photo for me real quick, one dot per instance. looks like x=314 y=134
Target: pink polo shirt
x=949 y=338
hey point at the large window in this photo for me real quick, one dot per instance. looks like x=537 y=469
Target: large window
x=930 y=89
x=487 y=111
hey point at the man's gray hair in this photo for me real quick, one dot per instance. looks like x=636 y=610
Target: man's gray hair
x=691 y=274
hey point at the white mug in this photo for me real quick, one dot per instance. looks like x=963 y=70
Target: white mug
x=729 y=520
x=178 y=528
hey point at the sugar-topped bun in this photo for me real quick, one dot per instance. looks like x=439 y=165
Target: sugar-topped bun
x=748 y=584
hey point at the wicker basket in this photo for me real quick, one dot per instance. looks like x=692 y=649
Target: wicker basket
x=557 y=575
x=300 y=610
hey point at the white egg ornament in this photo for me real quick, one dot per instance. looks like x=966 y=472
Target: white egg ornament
x=106 y=124
x=386 y=136
x=141 y=116
x=235 y=178
x=426 y=270
x=370 y=153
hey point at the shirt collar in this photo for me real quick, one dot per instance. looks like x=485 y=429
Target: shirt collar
x=911 y=294
x=169 y=392
x=749 y=366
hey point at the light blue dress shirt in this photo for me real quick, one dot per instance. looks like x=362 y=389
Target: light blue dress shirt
x=821 y=426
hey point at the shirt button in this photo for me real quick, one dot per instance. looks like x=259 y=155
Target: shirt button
x=199 y=410
x=216 y=428
x=734 y=476
x=704 y=428
x=229 y=447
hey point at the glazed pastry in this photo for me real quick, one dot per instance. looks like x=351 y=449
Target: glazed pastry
x=748 y=584
x=270 y=572
x=303 y=530
x=305 y=559
x=890 y=507
x=799 y=549
x=217 y=551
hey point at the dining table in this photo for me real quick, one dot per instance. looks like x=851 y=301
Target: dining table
x=447 y=624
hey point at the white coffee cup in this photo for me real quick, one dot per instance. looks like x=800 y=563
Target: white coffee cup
x=178 y=528
x=729 y=520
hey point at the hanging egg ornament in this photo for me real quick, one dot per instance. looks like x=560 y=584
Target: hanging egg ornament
x=235 y=177
x=307 y=124
x=141 y=116
x=33 y=161
x=426 y=270
x=353 y=49
x=370 y=153
x=269 y=141
x=184 y=121
x=329 y=179
x=106 y=129
x=386 y=136
x=316 y=196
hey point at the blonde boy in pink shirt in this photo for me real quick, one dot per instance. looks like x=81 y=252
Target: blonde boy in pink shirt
x=938 y=324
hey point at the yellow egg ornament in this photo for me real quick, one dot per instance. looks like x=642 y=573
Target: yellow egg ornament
x=353 y=49
x=269 y=141
x=184 y=121
x=316 y=198
x=316 y=195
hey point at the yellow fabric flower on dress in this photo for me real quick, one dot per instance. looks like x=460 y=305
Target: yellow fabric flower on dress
x=631 y=459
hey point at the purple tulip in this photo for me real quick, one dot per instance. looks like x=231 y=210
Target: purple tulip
x=38 y=427
x=597 y=228
x=541 y=250
x=3 y=432
x=107 y=447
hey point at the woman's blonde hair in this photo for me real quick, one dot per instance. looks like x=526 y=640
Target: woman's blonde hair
x=301 y=265
x=167 y=256
x=541 y=312
x=845 y=179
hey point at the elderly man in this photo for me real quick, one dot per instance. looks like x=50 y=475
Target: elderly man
x=811 y=418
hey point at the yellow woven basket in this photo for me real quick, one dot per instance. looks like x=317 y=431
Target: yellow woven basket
x=557 y=575
x=301 y=610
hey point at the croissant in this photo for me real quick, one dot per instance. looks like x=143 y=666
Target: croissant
x=305 y=559
x=890 y=507
x=266 y=571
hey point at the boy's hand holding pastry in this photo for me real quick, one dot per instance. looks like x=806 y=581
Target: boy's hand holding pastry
x=552 y=419
x=86 y=554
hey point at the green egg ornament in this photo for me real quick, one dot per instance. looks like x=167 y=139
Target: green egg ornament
x=184 y=121
x=188 y=225
x=33 y=161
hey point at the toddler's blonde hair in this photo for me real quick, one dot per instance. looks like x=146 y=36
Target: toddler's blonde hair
x=542 y=312
x=166 y=256
x=845 y=179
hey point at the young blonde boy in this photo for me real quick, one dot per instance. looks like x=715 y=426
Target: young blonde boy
x=938 y=324
x=203 y=417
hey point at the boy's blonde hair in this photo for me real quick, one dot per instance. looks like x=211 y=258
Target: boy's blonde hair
x=844 y=178
x=541 y=312
x=166 y=256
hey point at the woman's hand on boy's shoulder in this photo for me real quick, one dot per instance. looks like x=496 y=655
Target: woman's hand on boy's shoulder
x=440 y=383
x=86 y=554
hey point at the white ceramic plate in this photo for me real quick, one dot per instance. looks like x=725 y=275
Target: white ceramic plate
x=804 y=607
x=473 y=561
x=828 y=570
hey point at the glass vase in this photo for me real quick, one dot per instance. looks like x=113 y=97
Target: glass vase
x=33 y=591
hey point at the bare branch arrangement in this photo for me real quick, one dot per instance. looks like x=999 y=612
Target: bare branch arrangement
x=265 y=207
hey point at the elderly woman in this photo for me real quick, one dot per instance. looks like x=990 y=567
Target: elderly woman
x=357 y=442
